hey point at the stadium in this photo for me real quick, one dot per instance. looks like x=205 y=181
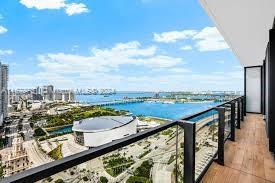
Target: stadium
x=93 y=132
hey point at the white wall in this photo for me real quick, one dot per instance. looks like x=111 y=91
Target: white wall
x=100 y=138
x=253 y=89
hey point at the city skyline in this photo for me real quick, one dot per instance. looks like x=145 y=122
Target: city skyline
x=122 y=45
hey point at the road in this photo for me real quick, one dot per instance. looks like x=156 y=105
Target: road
x=35 y=155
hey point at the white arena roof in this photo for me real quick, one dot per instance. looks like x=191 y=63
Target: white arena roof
x=101 y=123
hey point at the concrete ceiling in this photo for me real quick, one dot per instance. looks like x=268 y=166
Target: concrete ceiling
x=244 y=25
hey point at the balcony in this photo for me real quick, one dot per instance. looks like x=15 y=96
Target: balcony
x=178 y=151
x=220 y=144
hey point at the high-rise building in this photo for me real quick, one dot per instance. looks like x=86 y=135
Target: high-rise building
x=64 y=95
x=3 y=92
x=48 y=92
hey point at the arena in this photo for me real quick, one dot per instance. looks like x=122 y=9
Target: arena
x=97 y=131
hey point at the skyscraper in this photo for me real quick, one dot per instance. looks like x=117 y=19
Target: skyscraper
x=47 y=92
x=4 y=70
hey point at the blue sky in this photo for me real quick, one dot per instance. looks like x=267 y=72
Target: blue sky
x=147 y=45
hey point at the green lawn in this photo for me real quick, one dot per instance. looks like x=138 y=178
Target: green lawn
x=142 y=173
x=78 y=114
x=116 y=164
x=56 y=153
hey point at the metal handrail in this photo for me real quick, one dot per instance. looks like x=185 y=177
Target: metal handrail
x=46 y=170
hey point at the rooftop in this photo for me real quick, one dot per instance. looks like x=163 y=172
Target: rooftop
x=102 y=123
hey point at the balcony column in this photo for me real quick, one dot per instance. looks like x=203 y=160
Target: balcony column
x=238 y=114
x=233 y=121
x=242 y=109
x=221 y=112
x=189 y=151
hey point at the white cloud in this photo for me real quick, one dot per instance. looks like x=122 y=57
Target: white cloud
x=1 y=17
x=187 y=47
x=104 y=60
x=145 y=82
x=104 y=68
x=209 y=39
x=6 y=52
x=70 y=8
x=74 y=47
x=3 y=30
x=179 y=70
x=173 y=36
x=74 y=8
x=165 y=82
x=100 y=67
x=44 y=4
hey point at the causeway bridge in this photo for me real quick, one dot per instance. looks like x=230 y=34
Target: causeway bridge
x=115 y=102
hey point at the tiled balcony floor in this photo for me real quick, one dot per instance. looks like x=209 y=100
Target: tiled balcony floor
x=247 y=159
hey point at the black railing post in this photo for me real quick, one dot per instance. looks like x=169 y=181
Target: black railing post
x=242 y=109
x=233 y=121
x=189 y=151
x=244 y=105
x=221 y=112
x=177 y=141
x=238 y=114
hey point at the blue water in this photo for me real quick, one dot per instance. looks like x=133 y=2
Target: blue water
x=156 y=109
x=66 y=129
x=168 y=111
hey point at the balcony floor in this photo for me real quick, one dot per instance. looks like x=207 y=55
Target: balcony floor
x=247 y=159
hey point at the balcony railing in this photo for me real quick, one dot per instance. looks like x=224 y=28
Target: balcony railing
x=186 y=147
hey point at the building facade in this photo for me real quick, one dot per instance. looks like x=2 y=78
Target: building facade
x=17 y=160
x=93 y=132
x=4 y=70
x=48 y=92
x=64 y=95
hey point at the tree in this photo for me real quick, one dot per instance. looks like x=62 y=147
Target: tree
x=2 y=142
x=49 y=179
x=103 y=179
x=1 y=170
x=39 y=132
x=22 y=135
x=59 y=181
x=85 y=179
x=31 y=125
x=20 y=127
x=7 y=130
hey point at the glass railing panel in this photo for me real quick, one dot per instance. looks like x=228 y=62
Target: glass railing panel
x=206 y=140
x=157 y=158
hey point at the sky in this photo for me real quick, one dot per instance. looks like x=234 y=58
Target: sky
x=128 y=45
